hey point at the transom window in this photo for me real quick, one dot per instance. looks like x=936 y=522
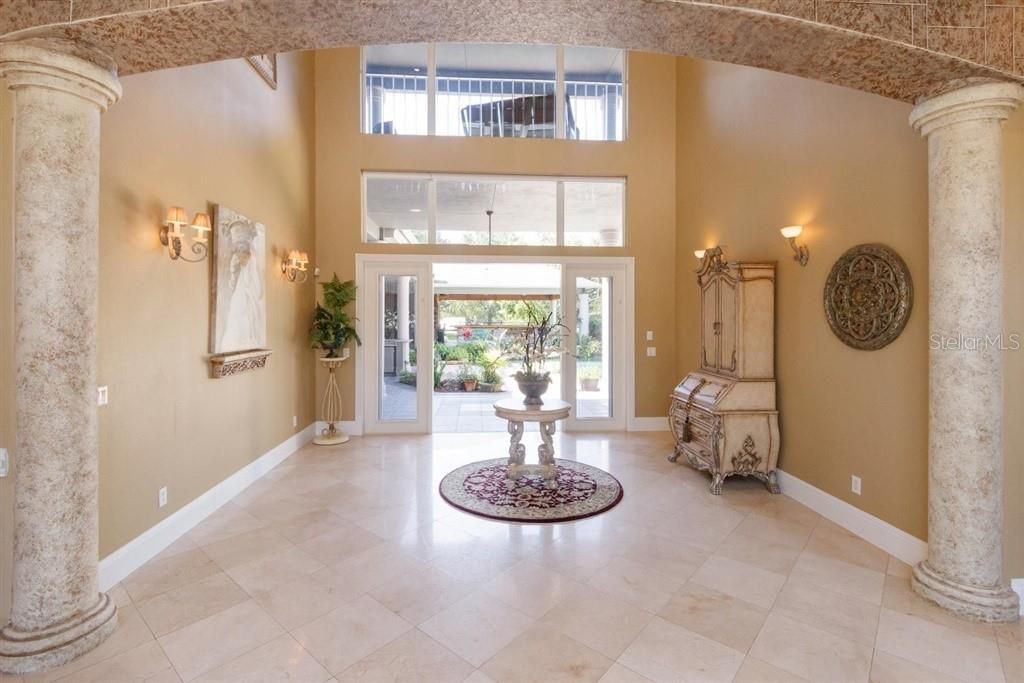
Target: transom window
x=491 y=210
x=494 y=90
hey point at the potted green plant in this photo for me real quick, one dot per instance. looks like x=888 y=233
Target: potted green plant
x=541 y=337
x=590 y=378
x=491 y=363
x=469 y=377
x=333 y=328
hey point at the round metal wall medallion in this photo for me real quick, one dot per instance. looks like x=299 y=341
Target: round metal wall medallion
x=868 y=296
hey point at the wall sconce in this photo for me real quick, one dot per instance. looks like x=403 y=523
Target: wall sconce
x=800 y=252
x=172 y=235
x=296 y=266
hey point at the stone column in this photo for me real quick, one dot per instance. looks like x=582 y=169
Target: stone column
x=59 y=93
x=963 y=572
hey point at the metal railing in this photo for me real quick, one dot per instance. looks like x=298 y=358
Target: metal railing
x=488 y=107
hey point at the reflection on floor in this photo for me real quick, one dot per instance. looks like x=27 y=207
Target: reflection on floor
x=345 y=562
x=459 y=411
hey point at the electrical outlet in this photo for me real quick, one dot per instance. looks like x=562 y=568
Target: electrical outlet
x=651 y=352
x=295 y=420
x=855 y=484
x=102 y=395
x=162 y=497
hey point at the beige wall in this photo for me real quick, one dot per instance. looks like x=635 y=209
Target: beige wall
x=1013 y=316
x=758 y=151
x=645 y=159
x=206 y=134
x=6 y=350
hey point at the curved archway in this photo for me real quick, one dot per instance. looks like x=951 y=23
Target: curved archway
x=219 y=29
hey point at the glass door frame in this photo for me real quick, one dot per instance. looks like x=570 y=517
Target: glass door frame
x=618 y=327
x=370 y=265
x=370 y=294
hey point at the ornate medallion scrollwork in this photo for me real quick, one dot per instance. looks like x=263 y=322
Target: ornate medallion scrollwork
x=868 y=296
x=746 y=459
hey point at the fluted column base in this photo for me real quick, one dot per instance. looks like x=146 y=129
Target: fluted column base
x=26 y=652
x=998 y=604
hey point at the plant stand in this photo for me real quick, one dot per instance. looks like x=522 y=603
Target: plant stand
x=331 y=405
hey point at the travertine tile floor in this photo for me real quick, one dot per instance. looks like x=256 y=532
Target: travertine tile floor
x=343 y=564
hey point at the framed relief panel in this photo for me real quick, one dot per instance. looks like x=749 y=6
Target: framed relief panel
x=238 y=296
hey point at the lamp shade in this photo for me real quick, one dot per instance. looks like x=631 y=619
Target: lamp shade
x=176 y=214
x=791 y=231
x=700 y=253
x=201 y=221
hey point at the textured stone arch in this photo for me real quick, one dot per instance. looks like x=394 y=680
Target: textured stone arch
x=867 y=46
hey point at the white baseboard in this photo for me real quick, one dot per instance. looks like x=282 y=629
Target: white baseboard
x=1018 y=587
x=350 y=427
x=896 y=542
x=132 y=555
x=647 y=424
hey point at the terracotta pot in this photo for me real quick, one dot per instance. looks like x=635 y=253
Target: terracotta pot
x=590 y=384
x=469 y=384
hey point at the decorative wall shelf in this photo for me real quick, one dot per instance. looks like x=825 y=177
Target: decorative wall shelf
x=227 y=364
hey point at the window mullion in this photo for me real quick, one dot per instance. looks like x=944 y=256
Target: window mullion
x=560 y=92
x=431 y=89
x=560 y=218
x=432 y=211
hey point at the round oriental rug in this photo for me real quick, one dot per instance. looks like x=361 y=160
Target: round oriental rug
x=482 y=489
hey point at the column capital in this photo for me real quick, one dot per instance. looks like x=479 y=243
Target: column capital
x=981 y=102
x=59 y=66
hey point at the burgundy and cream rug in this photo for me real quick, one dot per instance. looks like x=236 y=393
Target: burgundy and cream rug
x=482 y=489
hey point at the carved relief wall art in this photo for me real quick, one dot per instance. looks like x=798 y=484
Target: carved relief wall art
x=868 y=296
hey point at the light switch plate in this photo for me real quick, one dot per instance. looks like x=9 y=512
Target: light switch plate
x=102 y=395
x=652 y=352
x=650 y=335
x=5 y=462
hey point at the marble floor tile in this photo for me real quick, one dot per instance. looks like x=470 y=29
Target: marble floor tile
x=840 y=615
x=141 y=663
x=740 y=580
x=349 y=633
x=173 y=572
x=553 y=657
x=476 y=627
x=530 y=587
x=358 y=571
x=831 y=540
x=268 y=572
x=597 y=619
x=947 y=650
x=754 y=670
x=301 y=601
x=216 y=640
x=900 y=597
x=620 y=674
x=768 y=555
x=641 y=586
x=246 y=547
x=715 y=615
x=194 y=602
x=666 y=652
x=887 y=668
x=339 y=543
x=308 y=525
x=840 y=577
x=282 y=659
x=809 y=652
x=419 y=595
x=413 y=656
